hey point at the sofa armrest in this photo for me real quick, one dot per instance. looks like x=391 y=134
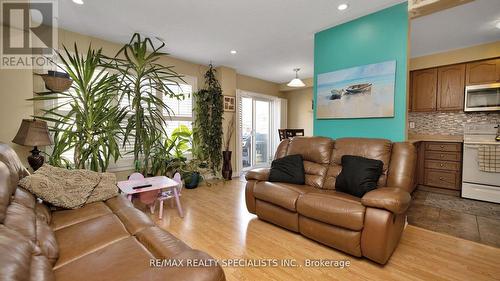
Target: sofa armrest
x=392 y=199
x=260 y=174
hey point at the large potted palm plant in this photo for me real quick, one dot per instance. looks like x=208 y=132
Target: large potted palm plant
x=85 y=119
x=143 y=83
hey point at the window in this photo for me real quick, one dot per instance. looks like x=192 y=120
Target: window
x=181 y=114
x=182 y=110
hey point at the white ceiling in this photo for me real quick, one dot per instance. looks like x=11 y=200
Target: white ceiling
x=462 y=26
x=271 y=36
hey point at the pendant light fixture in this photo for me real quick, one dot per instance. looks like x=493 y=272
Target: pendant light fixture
x=296 y=82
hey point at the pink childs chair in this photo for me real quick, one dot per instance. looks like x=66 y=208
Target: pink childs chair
x=149 y=197
x=172 y=193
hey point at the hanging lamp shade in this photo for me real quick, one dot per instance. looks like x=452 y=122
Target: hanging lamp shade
x=296 y=82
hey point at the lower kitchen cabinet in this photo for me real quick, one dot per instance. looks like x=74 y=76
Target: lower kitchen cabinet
x=440 y=165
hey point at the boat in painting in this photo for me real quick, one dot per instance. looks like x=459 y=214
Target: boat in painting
x=351 y=90
x=359 y=88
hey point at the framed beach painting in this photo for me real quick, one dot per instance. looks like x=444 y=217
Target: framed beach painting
x=358 y=92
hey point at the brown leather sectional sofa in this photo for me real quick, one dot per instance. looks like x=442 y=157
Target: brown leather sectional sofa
x=109 y=240
x=369 y=226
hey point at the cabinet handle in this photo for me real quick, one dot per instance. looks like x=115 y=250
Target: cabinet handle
x=441 y=178
x=442 y=146
x=441 y=165
x=441 y=155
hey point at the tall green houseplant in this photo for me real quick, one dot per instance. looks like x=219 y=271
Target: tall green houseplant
x=86 y=118
x=142 y=77
x=207 y=131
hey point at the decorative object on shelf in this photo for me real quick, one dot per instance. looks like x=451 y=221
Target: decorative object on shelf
x=57 y=81
x=229 y=103
x=358 y=92
x=34 y=133
x=91 y=126
x=207 y=129
x=141 y=79
x=227 y=169
x=296 y=82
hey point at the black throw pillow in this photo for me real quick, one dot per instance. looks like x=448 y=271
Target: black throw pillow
x=359 y=175
x=289 y=169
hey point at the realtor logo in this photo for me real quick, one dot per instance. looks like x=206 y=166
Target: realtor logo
x=29 y=33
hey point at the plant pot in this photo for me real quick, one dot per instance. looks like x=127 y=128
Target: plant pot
x=58 y=74
x=227 y=169
x=192 y=181
x=56 y=83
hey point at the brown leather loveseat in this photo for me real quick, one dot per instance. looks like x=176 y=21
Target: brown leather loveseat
x=369 y=226
x=108 y=240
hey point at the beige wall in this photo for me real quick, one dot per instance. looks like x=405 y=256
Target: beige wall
x=259 y=86
x=17 y=86
x=300 y=113
x=477 y=52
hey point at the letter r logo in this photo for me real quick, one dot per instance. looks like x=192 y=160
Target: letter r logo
x=28 y=27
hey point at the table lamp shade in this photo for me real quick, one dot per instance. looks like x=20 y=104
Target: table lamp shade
x=33 y=133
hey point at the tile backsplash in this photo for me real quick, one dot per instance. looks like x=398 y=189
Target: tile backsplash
x=447 y=123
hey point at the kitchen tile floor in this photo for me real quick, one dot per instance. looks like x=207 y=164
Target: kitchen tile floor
x=468 y=219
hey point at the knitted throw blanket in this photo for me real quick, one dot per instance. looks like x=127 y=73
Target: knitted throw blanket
x=70 y=189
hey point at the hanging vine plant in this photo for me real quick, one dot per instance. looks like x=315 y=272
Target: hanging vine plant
x=207 y=129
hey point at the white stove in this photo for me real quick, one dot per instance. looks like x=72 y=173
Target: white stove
x=477 y=184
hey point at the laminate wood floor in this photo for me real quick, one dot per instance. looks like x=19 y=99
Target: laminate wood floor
x=216 y=221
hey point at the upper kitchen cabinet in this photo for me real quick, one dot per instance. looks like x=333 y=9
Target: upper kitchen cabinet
x=423 y=90
x=483 y=72
x=450 y=87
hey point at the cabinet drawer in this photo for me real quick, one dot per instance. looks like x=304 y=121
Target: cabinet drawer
x=442 y=165
x=443 y=146
x=445 y=156
x=441 y=179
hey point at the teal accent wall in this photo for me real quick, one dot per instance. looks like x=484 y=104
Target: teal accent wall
x=378 y=37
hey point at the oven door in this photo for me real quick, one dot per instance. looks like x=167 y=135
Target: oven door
x=471 y=172
x=482 y=97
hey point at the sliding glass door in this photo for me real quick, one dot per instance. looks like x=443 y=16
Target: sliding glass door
x=255 y=131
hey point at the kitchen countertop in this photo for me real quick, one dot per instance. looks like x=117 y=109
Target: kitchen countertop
x=438 y=138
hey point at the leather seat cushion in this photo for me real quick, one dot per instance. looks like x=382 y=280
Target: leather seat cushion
x=134 y=219
x=282 y=194
x=21 y=259
x=118 y=202
x=66 y=218
x=21 y=219
x=123 y=260
x=335 y=208
x=128 y=260
x=161 y=243
x=85 y=237
x=46 y=240
x=5 y=192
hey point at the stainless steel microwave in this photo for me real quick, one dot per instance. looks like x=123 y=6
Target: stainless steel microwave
x=482 y=97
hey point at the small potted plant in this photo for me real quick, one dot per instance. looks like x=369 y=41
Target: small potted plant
x=191 y=173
